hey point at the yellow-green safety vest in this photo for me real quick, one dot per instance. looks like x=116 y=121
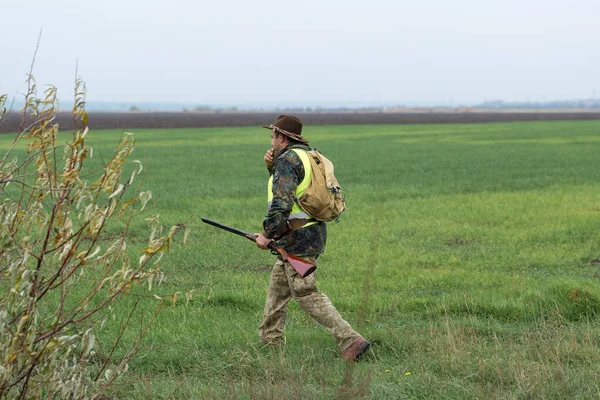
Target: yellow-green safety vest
x=296 y=212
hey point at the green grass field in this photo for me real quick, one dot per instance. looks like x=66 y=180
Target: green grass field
x=469 y=256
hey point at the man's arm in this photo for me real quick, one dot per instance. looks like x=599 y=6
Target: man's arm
x=287 y=173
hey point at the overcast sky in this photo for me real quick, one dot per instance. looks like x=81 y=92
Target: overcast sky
x=278 y=52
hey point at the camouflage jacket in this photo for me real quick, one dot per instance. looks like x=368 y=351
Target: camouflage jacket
x=288 y=172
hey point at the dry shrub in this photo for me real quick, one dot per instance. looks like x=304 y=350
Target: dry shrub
x=61 y=272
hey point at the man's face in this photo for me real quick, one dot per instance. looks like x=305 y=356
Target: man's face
x=277 y=141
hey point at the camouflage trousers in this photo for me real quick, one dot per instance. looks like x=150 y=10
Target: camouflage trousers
x=284 y=284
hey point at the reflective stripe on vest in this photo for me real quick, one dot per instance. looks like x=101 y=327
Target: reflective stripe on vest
x=296 y=212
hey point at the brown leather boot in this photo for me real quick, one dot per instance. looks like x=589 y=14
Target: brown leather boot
x=356 y=349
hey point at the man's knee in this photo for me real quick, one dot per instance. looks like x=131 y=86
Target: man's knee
x=303 y=287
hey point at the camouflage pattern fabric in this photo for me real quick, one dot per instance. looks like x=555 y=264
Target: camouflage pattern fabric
x=288 y=173
x=285 y=284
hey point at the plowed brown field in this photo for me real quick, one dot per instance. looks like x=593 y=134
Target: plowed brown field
x=160 y=120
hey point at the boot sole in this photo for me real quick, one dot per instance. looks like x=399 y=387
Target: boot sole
x=363 y=349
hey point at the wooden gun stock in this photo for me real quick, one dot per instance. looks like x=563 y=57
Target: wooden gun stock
x=301 y=266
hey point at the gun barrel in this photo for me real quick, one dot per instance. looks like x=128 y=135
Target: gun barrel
x=229 y=228
x=303 y=267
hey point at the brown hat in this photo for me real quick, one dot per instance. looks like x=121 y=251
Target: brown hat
x=288 y=126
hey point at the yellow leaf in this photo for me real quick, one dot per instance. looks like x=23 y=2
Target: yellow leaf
x=126 y=204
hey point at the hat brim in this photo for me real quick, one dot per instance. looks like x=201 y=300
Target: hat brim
x=291 y=135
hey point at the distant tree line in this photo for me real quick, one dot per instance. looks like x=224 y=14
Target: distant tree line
x=591 y=104
x=554 y=104
x=211 y=109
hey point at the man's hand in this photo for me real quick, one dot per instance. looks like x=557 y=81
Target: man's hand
x=269 y=158
x=262 y=242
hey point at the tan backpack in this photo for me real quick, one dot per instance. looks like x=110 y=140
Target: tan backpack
x=323 y=200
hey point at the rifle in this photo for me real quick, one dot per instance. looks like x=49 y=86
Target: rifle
x=301 y=266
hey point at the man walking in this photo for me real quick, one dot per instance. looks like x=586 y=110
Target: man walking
x=299 y=234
